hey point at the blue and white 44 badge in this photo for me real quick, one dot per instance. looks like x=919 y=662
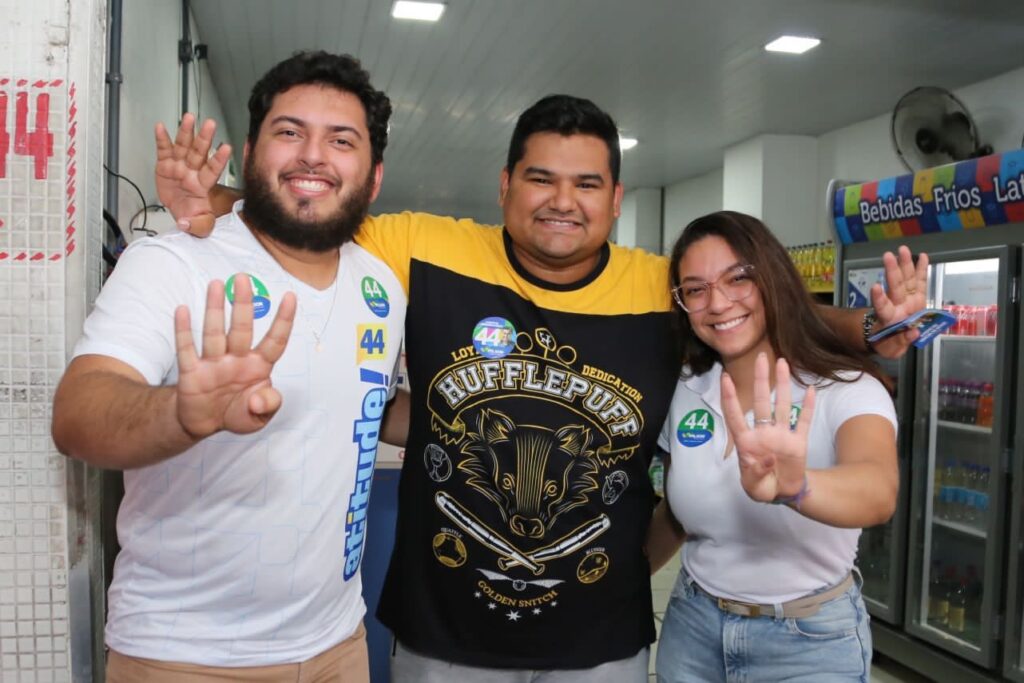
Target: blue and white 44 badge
x=494 y=337
x=696 y=428
x=376 y=297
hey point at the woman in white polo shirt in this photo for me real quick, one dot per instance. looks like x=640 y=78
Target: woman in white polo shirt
x=773 y=474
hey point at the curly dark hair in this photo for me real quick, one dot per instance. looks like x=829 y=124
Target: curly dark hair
x=566 y=115
x=795 y=329
x=343 y=72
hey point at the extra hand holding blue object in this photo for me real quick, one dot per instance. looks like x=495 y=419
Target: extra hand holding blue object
x=931 y=322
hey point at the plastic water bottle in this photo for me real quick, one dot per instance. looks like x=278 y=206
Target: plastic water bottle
x=981 y=502
x=968 y=508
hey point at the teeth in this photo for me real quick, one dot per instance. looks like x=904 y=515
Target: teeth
x=311 y=185
x=729 y=325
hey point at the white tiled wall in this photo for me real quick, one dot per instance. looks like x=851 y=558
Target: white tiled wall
x=48 y=100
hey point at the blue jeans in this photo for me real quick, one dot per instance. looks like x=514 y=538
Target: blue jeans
x=700 y=642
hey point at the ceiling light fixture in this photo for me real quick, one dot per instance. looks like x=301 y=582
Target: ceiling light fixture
x=792 y=44
x=626 y=143
x=420 y=11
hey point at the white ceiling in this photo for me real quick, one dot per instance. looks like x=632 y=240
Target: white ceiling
x=688 y=78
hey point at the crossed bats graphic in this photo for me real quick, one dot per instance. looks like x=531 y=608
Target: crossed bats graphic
x=512 y=556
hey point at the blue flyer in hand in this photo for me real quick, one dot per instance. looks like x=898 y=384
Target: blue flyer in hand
x=931 y=322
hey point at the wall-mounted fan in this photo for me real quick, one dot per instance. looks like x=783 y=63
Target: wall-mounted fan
x=931 y=127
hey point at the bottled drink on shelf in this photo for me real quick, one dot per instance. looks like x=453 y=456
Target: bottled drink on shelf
x=992 y=320
x=981 y=499
x=971 y=396
x=985 y=405
x=950 y=482
x=957 y=618
x=968 y=506
x=938 y=600
x=943 y=399
x=956 y=400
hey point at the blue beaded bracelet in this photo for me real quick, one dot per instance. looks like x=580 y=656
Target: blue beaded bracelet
x=797 y=499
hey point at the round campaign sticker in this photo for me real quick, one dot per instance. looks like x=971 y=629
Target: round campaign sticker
x=260 y=295
x=375 y=297
x=696 y=428
x=494 y=337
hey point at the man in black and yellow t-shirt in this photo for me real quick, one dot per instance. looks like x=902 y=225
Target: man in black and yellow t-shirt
x=542 y=361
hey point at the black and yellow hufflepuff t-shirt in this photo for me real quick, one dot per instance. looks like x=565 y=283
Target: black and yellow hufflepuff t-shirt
x=524 y=496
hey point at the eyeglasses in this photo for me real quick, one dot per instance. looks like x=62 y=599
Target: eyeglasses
x=736 y=283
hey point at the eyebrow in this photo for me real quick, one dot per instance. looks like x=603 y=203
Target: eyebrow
x=302 y=124
x=537 y=170
x=693 y=278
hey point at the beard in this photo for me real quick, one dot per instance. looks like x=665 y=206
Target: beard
x=265 y=213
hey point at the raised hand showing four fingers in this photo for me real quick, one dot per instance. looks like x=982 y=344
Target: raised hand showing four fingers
x=185 y=173
x=906 y=293
x=772 y=457
x=228 y=387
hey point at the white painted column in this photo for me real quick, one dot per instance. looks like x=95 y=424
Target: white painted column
x=52 y=55
x=774 y=177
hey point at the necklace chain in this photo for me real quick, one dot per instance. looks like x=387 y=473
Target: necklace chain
x=330 y=311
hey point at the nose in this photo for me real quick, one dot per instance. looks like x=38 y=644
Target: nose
x=563 y=197
x=312 y=152
x=717 y=300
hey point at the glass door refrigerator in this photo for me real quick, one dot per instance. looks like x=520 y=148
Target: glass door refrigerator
x=881 y=555
x=1013 y=660
x=957 y=539
x=960 y=457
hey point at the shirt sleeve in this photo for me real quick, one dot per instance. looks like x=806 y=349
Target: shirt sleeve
x=133 y=319
x=864 y=396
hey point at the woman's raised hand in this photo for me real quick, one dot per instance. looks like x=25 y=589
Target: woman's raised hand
x=772 y=454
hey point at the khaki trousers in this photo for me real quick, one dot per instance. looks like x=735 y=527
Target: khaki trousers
x=346 y=662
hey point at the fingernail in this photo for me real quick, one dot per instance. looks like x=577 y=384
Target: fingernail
x=184 y=224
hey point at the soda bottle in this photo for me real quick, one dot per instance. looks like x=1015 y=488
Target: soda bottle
x=943 y=409
x=956 y=620
x=956 y=396
x=985 y=405
x=971 y=402
x=938 y=602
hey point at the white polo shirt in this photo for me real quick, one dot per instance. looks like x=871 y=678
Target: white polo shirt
x=738 y=548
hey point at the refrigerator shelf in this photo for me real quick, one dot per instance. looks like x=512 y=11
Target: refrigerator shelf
x=960 y=426
x=960 y=527
x=966 y=338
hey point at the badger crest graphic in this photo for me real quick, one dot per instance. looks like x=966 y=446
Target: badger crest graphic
x=531 y=473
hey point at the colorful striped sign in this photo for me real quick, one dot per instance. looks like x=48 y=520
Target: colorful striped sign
x=961 y=196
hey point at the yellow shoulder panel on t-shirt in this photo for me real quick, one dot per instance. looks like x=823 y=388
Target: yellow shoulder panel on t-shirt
x=633 y=281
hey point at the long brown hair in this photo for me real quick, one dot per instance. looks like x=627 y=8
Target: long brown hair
x=796 y=331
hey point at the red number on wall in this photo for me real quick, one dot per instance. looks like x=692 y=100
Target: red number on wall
x=37 y=144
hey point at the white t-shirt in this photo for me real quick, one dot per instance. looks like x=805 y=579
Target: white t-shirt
x=738 y=548
x=244 y=550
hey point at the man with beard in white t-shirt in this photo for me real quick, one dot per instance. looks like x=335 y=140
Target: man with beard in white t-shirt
x=247 y=468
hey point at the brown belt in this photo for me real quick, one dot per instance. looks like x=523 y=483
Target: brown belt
x=800 y=608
